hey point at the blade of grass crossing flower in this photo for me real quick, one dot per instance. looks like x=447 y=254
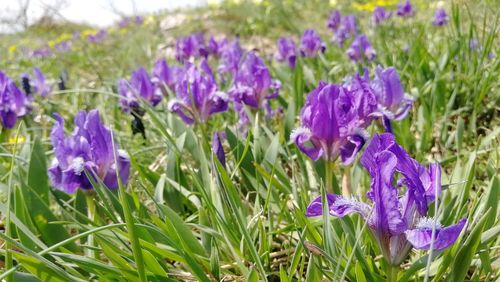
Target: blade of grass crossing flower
x=129 y=220
x=10 y=191
x=467 y=250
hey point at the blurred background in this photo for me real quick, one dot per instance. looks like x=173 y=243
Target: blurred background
x=16 y=15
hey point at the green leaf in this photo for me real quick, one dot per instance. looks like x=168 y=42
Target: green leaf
x=37 y=172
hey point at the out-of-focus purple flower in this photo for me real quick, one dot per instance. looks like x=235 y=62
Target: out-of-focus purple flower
x=214 y=48
x=393 y=103
x=473 y=44
x=397 y=223
x=40 y=84
x=311 y=44
x=230 y=57
x=87 y=151
x=405 y=9
x=63 y=46
x=42 y=52
x=198 y=96
x=347 y=29
x=124 y=22
x=98 y=37
x=13 y=103
x=139 y=87
x=287 y=51
x=163 y=74
x=217 y=148
x=440 y=18
x=330 y=125
x=76 y=35
x=380 y=15
x=190 y=46
x=138 y=20
x=253 y=83
x=334 y=20
x=361 y=47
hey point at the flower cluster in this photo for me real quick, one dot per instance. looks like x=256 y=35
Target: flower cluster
x=13 y=103
x=380 y=15
x=405 y=9
x=87 y=152
x=194 y=46
x=397 y=223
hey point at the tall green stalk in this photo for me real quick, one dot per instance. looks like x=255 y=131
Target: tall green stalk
x=392 y=273
x=129 y=220
x=8 y=231
x=329 y=181
x=89 y=197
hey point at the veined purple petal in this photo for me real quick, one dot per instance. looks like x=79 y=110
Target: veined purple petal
x=421 y=236
x=343 y=206
x=386 y=219
x=217 y=148
x=301 y=136
x=315 y=208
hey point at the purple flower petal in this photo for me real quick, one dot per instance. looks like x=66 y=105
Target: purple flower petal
x=421 y=237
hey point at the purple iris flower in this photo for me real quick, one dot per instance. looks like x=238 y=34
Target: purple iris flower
x=63 y=46
x=230 y=57
x=163 y=74
x=287 y=51
x=380 y=15
x=190 y=46
x=42 y=52
x=398 y=223
x=361 y=48
x=393 y=103
x=198 y=96
x=214 y=47
x=331 y=126
x=348 y=28
x=405 y=9
x=440 y=18
x=88 y=149
x=334 y=20
x=138 y=20
x=311 y=43
x=253 y=83
x=13 y=103
x=217 y=148
x=139 y=87
x=99 y=37
x=40 y=84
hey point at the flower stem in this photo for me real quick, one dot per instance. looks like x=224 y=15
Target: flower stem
x=346 y=182
x=329 y=181
x=89 y=197
x=392 y=273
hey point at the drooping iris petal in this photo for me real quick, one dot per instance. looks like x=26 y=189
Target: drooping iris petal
x=197 y=94
x=386 y=218
x=13 y=103
x=88 y=151
x=311 y=44
x=315 y=208
x=421 y=236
